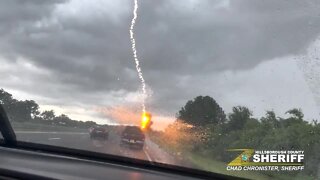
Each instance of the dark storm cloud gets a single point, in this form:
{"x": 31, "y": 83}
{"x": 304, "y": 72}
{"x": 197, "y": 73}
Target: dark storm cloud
{"x": 175, "y": 39}
{"x": 238, "y": 37}
{"x": 201, "y": 41}
{"x": 16, "y": 13}
{"x": 77, "y": 56}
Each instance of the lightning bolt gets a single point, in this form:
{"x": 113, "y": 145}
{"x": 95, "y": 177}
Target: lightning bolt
{"x": 135, "y": 56}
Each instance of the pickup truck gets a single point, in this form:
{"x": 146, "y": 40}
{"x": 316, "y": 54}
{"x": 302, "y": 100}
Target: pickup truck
{"x": 133, "y": 137}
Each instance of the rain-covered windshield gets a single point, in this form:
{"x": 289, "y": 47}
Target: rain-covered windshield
{"x": 228, "y": 86}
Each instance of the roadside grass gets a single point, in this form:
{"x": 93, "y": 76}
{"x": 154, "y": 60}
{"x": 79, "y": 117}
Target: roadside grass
{"x": 209, "y": 164}
{"x": 220, "y": 167}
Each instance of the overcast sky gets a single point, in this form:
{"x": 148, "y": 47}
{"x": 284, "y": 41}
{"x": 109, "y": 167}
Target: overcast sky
{"x": 75, "y": 56}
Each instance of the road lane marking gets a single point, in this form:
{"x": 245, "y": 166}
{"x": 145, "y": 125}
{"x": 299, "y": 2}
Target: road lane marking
{"x": 149, "y": 158}
{"x": 97, "y": 143}
{"x": 54, "y": 138}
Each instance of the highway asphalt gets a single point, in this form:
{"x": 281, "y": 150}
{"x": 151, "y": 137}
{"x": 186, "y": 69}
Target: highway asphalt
{"x": 81, "y": 140}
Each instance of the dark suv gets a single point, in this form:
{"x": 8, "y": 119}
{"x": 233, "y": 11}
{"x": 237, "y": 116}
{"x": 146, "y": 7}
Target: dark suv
{"x": 99, "y": 132}
{"x": 132, "y": 136}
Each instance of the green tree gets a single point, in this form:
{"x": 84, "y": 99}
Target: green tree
{"x": 18, "y": 110}
{"x": 296, "y": 118}
{"x": 6, "y": 98}
{"x": 88, "y": 124}
{"x": 270, "y": 121}
{"x": 296, "y": 113}
{"x": 28, "y": 110}
{"x": 48, "y": 115}
{"x": 62, "y": 120}
{"x": 32, "y": 107}
{"x": 201, "y": 111}
{"x": 238, "y": 118}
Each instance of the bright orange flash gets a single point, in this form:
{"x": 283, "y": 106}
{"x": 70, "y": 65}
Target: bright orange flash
{"x": 146, "y": 119}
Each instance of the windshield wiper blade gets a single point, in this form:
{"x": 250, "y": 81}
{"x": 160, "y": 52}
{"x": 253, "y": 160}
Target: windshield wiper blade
{"x": 6, "y": 129}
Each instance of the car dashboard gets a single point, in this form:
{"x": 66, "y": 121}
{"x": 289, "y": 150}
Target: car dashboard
{"x": 21, "y": 164}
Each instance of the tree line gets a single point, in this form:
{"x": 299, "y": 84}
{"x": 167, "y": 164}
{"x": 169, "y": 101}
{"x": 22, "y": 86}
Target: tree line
{"x": 28, "y": 111}
{"x": 203, "y": 128}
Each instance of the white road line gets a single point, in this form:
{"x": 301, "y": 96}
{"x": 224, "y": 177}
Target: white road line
{"x": 97, "y": 143}
{"x": 54, "y": 138}
{"x": 149, "y": 158}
